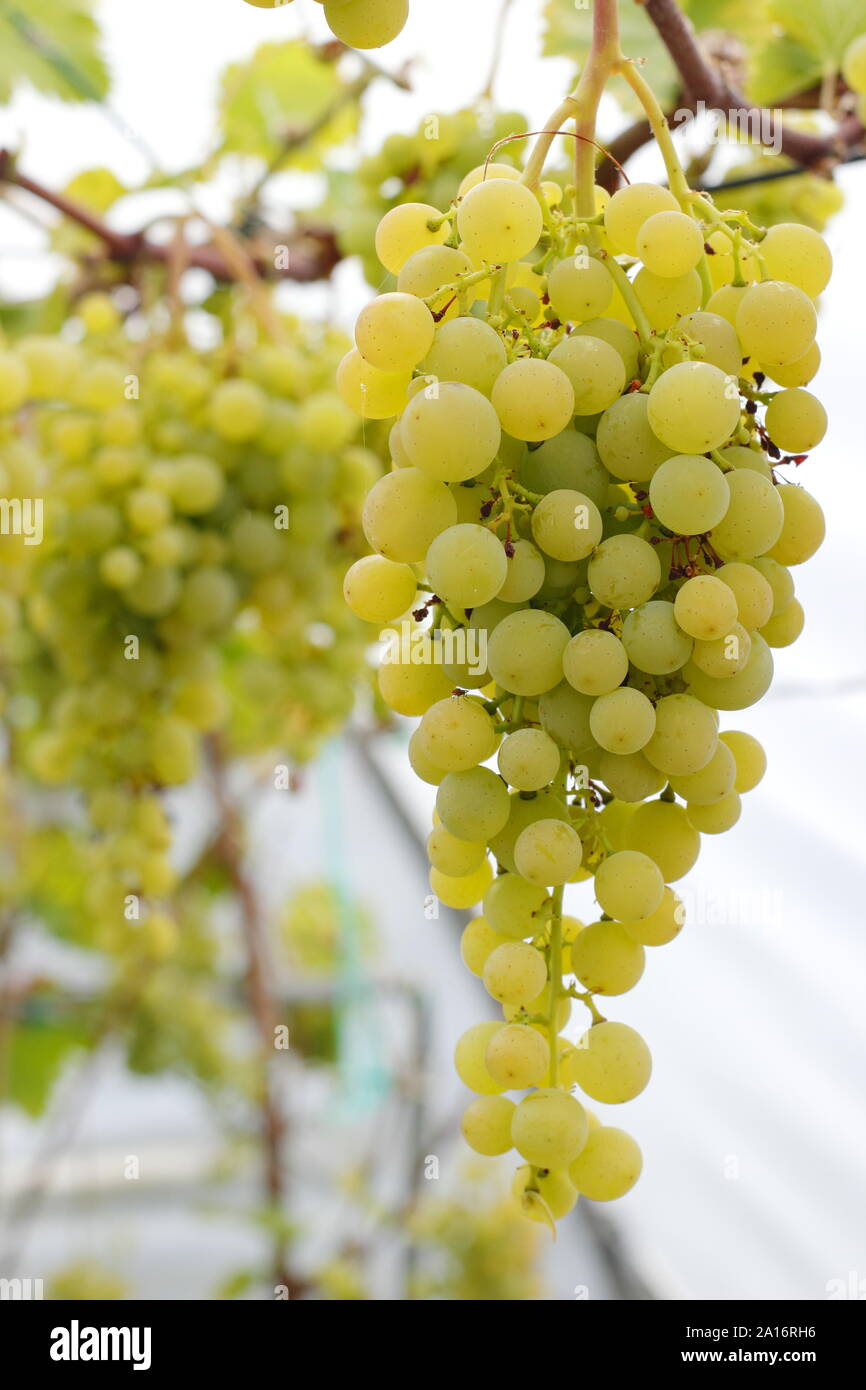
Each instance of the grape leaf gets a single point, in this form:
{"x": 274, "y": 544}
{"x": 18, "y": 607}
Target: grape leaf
{"x": 284, "y": 90}
{"x": 37, "y": 1053}
{"x": 54, "y": 46}
{"x": 96, "y": 189}
{"x": 781, "y": 68}
{"x": 824, "y": 29}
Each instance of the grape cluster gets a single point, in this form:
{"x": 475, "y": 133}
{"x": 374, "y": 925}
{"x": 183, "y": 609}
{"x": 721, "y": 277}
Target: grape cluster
{"x": 356, "y": 23}
{"x": 584, "y": 492}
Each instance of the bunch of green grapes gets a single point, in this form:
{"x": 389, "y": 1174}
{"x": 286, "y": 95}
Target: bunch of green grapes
{"x": 357, "y": 23}
{"x": 199, "y": 510}
{"x": 585, "y": 551}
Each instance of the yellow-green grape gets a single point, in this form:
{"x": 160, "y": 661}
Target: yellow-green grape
{"x": 451, "y": 856}
{"x": 803, "y": 526}
{"x": 457, "y": 734}
{"x": 197, "y": 485}
{"x": 466, "y": 350}
{"x": 566, "y": 524}
{"x": 464, "y": 892}
{"x": 705, "y": 607}
{"x": 427, "y": 274}
{"x": 776, "y": 322}
{"x": 786, "y": 627}
{"x": 378, "y": 590}
{"x": 511, "y": 904}
{"x": 595, "y": 370}
{"x": 548, "y": 852}
{"x": 715, "y": 337}
{"x": 450, "y": 431}
{"x": 268, "y": 4}
{"x": 549, "y": 1128}
{"x": 120, "y": 567}
{"x": 726, "y": 301}
{"x": 712, "y": 782}
{"x": 694, "y": 407}
{"x": 630, "y": 208}
{"x": 620, "y": 337}
{"x": 516, "y": 1057}
{"x": 662, "y": 925}
{"x": 626, "y": 443}
{"x": 406, "y": 229}
{"x": 524, "y": 651}
{"x": 469, "y": 1058}
{"x": 50, "y": 365}
{"x": 609, "y": 1165}
{"x": 753, "y": 522}
{"x": 486, "y": 1125}
{"x": 796, "y": 421}
{"x": 477, "y": 942}
{"x": 523, "y": 811}
{"x": 366, "y": 23}
{"x": 499, "y": 220}
{"x": 579, "y": 288}
{"x": 544, "y": 1193}
{"x": 653, "y": 639}
{"x": 613, "y": 1063}
{"x": 410, "y": 682}
{"x": 689, "y": 494}
{"x": 529, "y": 759}
{"x": 662, "y": 830}
{"x": 147, "y": 510}
{"x": 747, "y": 687}
{"x": 738, "y": 456}
{"x": 473, "y": 805}
{"x": 749, "y": 756}
{"x": 159, "y": 936}
{"x": 628, "y": 885}
{"x": 798, "y": 373}
{"x": 482, "y": 172}
{"x": 798, "y": 255}
{"x": 595, "y": 662}
{"x": 622, "y": 721}
{"x": 404, "y": 513}
{"x": 667, "y": 300}
{"x": 670, "y": 243}
{"x": 854, "y": 64}
{"x": 238, "y": 409}
{"x": 370, "y": 393}
{"x": 514, "y": 973}
{"x": 466, "y": 565}
{"x": 525, "y": 574}
{"x": 724, "y": 656}
{"x": 779, "y": 579}
{"x": 629, "y": 776}
{"x": 685, "y": 736}
{"x": 624, "y": 572}
{"x": 717, "y": 818}
{"x": 394, "y": 332}
{"x": 564, "y": 714}
{"x": 534, "y": 399}
{"x": 606, "y": 959}
{"x": 752, "y": 593}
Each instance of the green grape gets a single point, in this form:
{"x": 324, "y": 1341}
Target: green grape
{"x": 544, "y": 1193}
{"x": 705, "y": 607}
{"x": 424, "y": 274}
{"x": 366, "y": 23}
{"x": 726, "y": 301}
{"x": 779, "y": 579}
{"x": 422, "y": 767}
{"x": 457, "y": 734}
{"x": 595, "y": 370}
{"x": 609, "y": 1165}
{"x": 486, "y": 1125}
{"x": 525, "y": 574}
{"x": 694, "y": 407}
{"x": 405, "y": 512}
{"x": 529, "y": 759}
{"x": 394, "y": 332}
{"x": 689, "y": 494}
{"x": 630, "y": 208}
{"x": 724, "y": 656}
{"x": 606, "y": 959}
{"x": 372, "y": 394}
{"x": 776, "y": 322}
{"x": 46, "y": 369}
{"x": 752, "y": 593}
{"x": 510, "y": 905}
{"x": 499, "y": 220}
{"x": 568, "y": 460}
{"x": 663, "y": 925}
{"x": 566, "y": 525}
{"x": 534, "y": 399}
{"x": 798, "y": 373}
{"x": 120, "y": 567}
{"x": 514, "y": 973}
{"x": 473, "y": 805}
{"x": 466, "y": 565}
{"x": 784, "y": 629}
{"x": 749, "y": 757}
{"x": 595, "y": 662}
{"x": 854, "y": 64}
{"x": 716, "y": 338}
{"x": 670, "y": 244}
{"x": 619, "y": 336}
{"x": 524, "y": 651}
{"x": 548, "y": 853}
{"x": 653, "y": 639}
{"x": 737, "y": 456}
{"x": 629, "y": 776}
{"x": 799, "y": 256}
{"x": 482, "y": 172}
{"x": 325, "y": 423}
{"x": 463, "y": 892}
{"x": 407, "y": 229}
{"x": 685, "y": 736}
{"x": 411, "y": 682}
{"x": 478, "y": 939}
{"x": 466, "y": 350}
{"x": 711, "y": 783}
{"x": 523, "y": 812}
{"x": 662, "y": 830}
{"x": 549, "y": 1128}
{"x": 718, "y": 817}
{"x": 450, "y": 431}
{"x": 579, "y": 288}
{"x": 666, "y": 300}
{"x": 378, "y": 590}
{"x": 747, "y": 687}
{"x": 565, "y": 715}
{"x": 796, "y": 421}
{"x": 469, "y": 1059}
{"x": 803, "y": 527}
{"x": 622, "y": 721}
{"x": 753, "y": 522}
{"x": 516, "y": 1057}
{"x": 624, "y": 572}
{"x": 238, "y": 409}
{"x": 626, "y": 443}
{"x": 613, "y": 1063}
{"x": 628, "y": 886}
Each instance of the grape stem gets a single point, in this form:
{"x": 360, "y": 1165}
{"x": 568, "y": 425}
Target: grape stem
{"x": 555, "y": 970}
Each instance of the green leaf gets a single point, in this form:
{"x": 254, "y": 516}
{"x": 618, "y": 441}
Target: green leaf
{"x": 780, "y": 69}
{"x": 96, "y": 189}
{"x": 283, "y": 91}
{"x": 53, "y": 45}
{"x": 37, "y": 1054}
{"x": 823, "y": 27}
